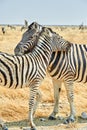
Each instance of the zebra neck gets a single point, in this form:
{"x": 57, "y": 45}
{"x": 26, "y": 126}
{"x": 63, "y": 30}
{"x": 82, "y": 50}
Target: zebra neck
{"x": 43, "y": 52}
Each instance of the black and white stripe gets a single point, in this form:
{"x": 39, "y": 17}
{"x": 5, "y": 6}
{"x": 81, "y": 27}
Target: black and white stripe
{"x": 66, "y": 66}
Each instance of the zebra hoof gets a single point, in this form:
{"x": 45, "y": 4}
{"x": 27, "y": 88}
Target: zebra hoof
{"x": 5, "y": 128}
{"x": 69, "y": 120}
{"x": 33, "y": 129}
{"x": 51, "y": 118}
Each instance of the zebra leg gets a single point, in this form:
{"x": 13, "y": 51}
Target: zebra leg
{"x": 38, "y": 99}
{"x": 70, "y": 96}
{"x": 33, "y": 92}
{"x": 57, "y": 89}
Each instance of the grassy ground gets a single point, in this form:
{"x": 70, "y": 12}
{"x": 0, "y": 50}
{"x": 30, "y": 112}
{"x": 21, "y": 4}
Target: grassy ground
{"x": 46, "y": 124}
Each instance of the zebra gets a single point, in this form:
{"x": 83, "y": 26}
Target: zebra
{"x": 3, "y": 30}
{"x": 29, "y": 69}
{"x": 11, "y": 27}
{"x": 67, "y": 66}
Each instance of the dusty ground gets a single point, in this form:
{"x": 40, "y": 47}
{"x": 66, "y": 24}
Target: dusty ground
{"x": 14, "y": 103}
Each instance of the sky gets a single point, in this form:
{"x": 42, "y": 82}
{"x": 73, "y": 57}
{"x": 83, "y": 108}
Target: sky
{"x": 45, "y": 12}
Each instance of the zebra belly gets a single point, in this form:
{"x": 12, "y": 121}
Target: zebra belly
{"x": 81, "y": 74}
{"x": 57, "y": 75}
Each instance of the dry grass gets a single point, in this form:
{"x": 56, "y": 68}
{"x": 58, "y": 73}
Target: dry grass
{"x": 14, "y": 103}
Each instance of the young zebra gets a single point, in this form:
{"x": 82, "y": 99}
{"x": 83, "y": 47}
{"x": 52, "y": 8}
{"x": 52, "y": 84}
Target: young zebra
{"x": 29, "y": 69}
{"x": 65, "y": 66}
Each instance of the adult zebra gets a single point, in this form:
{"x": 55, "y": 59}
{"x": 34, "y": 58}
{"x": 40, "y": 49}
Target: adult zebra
{"x": 65, "y": 66}
{"x": 29, "y": 69}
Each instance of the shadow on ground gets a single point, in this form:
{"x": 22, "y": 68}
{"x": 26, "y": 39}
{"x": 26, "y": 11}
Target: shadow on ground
{"x": 41, "y": 122}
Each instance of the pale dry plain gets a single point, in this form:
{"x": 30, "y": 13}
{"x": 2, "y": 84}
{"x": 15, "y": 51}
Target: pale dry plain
{"x": 14, "y": 103}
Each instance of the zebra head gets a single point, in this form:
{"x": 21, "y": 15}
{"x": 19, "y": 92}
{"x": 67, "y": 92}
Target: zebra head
{"x": 57, "y": 42}
{"x": 60, "y": 43}
{"x": 28, "y": 40}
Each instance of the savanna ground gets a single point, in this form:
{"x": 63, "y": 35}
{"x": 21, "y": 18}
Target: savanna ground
{"x": 14, "y": 103}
